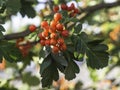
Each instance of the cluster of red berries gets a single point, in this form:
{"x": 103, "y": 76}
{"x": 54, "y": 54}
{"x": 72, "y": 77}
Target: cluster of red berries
{"x": 71, "y": 9}
{"x": 24, "y": 49}
{"x": 53, "y": 34}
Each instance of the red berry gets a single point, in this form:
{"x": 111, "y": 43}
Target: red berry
{"x": 60, "y": 41}
{"x": 53, "y": 42}
{"x": 32, "y": 28}
{"x": 59, "y": 27}
{"x": 63, "y": 47}
{"x": 76, "y": 10}
{"x": 40, "y": 36}
{"x": 56, "y": 9}
{"x": 42, "y": 42}
{"x": 72, "y": 6}
{"x": 47, "y": 42}
{"x": 64, "y": 6}
{"x": 65, "y": 33}
{"x": 55, "y": 49}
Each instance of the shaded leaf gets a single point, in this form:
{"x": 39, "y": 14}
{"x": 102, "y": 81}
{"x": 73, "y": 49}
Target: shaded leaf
{"x": 49, "y": 74}
{"x": 1, "y": 30}
{"x": 71, "y": 70}
{"x": 78, "y": 28}
{"x": 13, "y": 6}
{"x": 27, "y": 9}
{"x": 46, "y": 63}
{"x": 10, "y": 52}
{"x": 30, "y": 80}
{"x": 60, "y": 59}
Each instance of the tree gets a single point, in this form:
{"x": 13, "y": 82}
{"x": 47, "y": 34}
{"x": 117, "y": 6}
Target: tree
{"x": 63, "y": 42}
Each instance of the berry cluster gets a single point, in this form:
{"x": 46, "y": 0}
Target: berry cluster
{"x": 72, "y": 10}
{"x": 24, "y": 49}
{"x": 53, "y": 34}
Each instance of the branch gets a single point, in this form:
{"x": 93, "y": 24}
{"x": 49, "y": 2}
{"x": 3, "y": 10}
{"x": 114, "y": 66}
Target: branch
{"x": 100, "y": 6}
{"x": 15, "y": 35}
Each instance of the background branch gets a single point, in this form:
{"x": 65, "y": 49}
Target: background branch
{"x": 91, "y": 9}
{"x": 15, "y": 35}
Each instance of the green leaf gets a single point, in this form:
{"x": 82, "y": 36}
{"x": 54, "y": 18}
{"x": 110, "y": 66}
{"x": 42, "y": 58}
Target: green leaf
{"x": 97, "y": 60}
{"x": 30, "y": 80}
{"x": 27, "y": 9}
{"x": 46, "y": 63}
{"x": 97, "y": 56}
{"x": 1, "y": 30}
{"x": 49, "y": 74}
{"x": 78, "y": 28}
{"x": 60, "y": 59}
{"x": 71, "y": 70}
{"x": 13, "y": 6}
{"x": 2, "y": 6}
{"x": 10, "y": 52}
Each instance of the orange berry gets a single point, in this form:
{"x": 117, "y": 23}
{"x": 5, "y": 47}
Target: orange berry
{"x": 53, "y": 35}
{"x": 47, "y": 42}
{"x": 53, "y": 24}
{"x": 53, "y": 42}
{"x": 56, "y": 9}
{"x": 32, "y": 28}
{"x": 45, "y": 34}
{"x": 63, "y": 47}
{"x": 42, "y": 42}
{"x": 57, "y": 16}
{"x": 44, "y": 24}
{"x": 64, "y": 7}
{"x": 59, "y": 27}
{"x": 60, "y": 41}
{"x": 52, "y": 30}
{"x": 55, "y": 49}
{"x": 65, "y": 33}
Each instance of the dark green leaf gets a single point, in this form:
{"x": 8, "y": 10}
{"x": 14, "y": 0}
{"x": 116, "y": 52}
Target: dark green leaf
{"x": 71, "y": 70}
{"x": 78, "y": 28}
{"x": 97, "y": 59}
{"x": 1, "y": 30}
{"x": 30, "y": 80}
{"x": 46, "y": 63}
{"x": 60, "y": 59}
{"x": 49, "y": 74}
{"x": 2, "y": 6}
{"x": 73, "y": 19}
{"x": 13, "y": 6}
{"x": 10, "y": 52}
{"x": 27, "y": 9}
